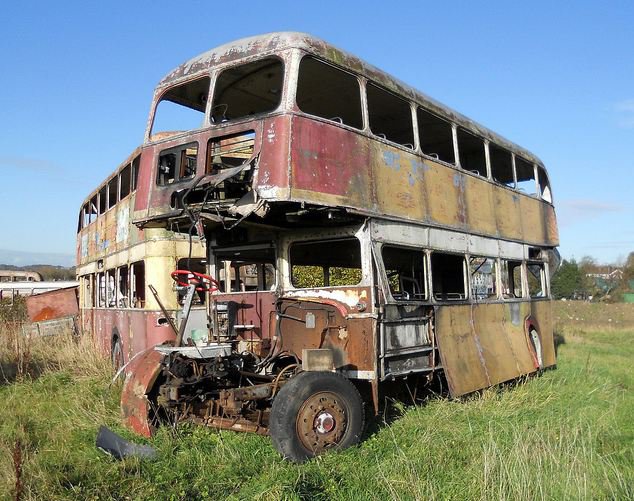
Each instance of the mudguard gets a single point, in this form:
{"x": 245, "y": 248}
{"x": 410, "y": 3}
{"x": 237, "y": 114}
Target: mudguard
{"x": 141, "y": 375}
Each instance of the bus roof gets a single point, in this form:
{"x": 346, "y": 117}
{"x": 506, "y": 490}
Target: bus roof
{"x": 271, "y": 43}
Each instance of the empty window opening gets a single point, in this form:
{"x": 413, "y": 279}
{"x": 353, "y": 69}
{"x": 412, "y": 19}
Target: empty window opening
{"x": 511, "y": 279}
{"x": 113, "y": 189}
{"x": 536, "y": 280}
{"x": 525, "y": 173}
{"x": 91, "y": 210}
{"x": 447, "y": 271}
{"x": 135, "y": 172}
{"x": 177, "y": 163}
{"x": 137, "y": 285}
{"x": 471, "y": 150}
{"x": 326, "y": 263}
{"x": 111, "y": 288}
{"x": 101, "y": 290}
{"x": 390, "y": 116}
{"x": 501, "y": 165}
{"x": 123, "y": 288}
{"x": 103, "y": 199}
{"x": 435, "y": 136}
{"x": 181, "y": 108}
{"x": 245, "y": 270}
{"x": 197, "y": 266}
{"x": 483, "y": 281}
{"x": 124, "y": 182}
{"x": 405, "y": 271}
{"x": 544, "y": 185}
{"x": 248, "y": 89}
{"x": 327, "y": 92}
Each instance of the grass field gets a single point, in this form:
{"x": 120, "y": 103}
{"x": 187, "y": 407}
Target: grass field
{"x": 568, "y": 434}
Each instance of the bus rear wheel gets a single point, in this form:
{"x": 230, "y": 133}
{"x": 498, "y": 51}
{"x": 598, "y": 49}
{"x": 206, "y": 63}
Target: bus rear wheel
{"x": 315, "y": 412}
{"x": 116, "y": 354}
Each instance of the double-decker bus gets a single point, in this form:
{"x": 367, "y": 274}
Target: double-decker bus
{"x": 355, "y": 230}
{"x": 119, "y": 264}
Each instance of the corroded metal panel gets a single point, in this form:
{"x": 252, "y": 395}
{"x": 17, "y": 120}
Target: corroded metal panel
{"x": 498, "y": 355}
{"x": 533, "y": 229}
{"x": 135, "y": 405}
{"x": 53, "y": 304}
{"x": 460, "y": 354}
{"x": 273, "y": 168}
{"x": 399, "y": 182}
{"x": 445, "y": 187}
{"x": 513, "y": 323}
{"x": 329, "y": 165}
{"x": 507, "y": 215}
{"x": 542, "y": 313}
{"x": 479, "y": 206}
{"x": 484, "y": 344}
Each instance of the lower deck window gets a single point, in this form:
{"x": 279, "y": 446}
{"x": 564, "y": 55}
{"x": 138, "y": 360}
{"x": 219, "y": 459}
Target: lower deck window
{"x": 405, "y": 270}
{"x": 448, "y": 277}
{"x": 137, "y": 285}
{"x": 512, "y": 279}
{"x": 328, "y": 263}
{"x": 536, "y": 280}
{"x": 245, "y": 270}
{"x": 482, "y": 278}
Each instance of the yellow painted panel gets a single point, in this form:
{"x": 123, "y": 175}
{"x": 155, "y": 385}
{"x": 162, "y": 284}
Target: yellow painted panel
{"x": 515, "y": 315}
{"x": 443, "y": 187}
{"x": 542, "y": 313}
{"x": 400, "y": 183}
{"x": 532, "y": 220}
{"x": 496, "y": 349}
{"x": 480, "y": 210}
{"x": 507, "y": 211}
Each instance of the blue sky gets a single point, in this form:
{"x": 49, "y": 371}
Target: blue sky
{"x": 554, "y": 77}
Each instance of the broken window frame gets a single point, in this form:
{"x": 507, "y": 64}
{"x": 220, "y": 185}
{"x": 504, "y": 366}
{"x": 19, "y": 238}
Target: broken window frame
{"x": 545, "y": 192}
{"x": 448, "y": 297}
{"x": 165, "y": 98}
{"x": 463, "y": 138}
{"x": 402, "y": 295}
{"x": 494, "y": 165}
{"x": 518, "y": 184}
{"x": 422, "y": 136}
{"x": 542, "y": 279}
{"x": 125, "y": 182}
{"x": 113, "y": 192}
{"x": 357, "y": 121}
{"x": 233, "y": 259}
{"x": 376, "y": 130}
{"x": 102, "y": 200}
{"x": 137, "y": 285}
{"x": 219, "y": 112}
{"x": 476, "y": 296}
{"x": 510, "y": 284}
{"x": 180, "y": 158}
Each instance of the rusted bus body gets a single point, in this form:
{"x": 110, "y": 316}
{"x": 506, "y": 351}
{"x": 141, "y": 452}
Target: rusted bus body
{"x": 343, "y": 242}
{"x": 117, "y": 262}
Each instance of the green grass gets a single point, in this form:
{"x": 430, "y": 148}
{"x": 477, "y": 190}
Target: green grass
{"x": 568, "y": 434}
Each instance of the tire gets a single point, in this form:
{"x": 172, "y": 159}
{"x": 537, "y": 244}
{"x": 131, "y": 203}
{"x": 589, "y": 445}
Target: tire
{"x": 315, "y": 412}
{"x": 116, "y": 354}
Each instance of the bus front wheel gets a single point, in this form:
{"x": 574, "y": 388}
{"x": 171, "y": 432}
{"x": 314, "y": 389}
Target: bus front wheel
{"x": 315, "y": 412}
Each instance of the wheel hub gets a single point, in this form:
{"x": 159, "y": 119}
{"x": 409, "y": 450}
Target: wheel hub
{"x": 322, "y": 422}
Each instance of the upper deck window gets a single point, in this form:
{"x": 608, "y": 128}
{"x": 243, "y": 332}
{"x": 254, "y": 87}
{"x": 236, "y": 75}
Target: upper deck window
{"x": 544, "y": 185}
{"x": 177, "y": 163}
{"x": 248, "y": 89}
{"x": 471, "y": 150}
{"x": 501, "y": 165}
{"x": 435, "y": 136}
{"x": 124, "y": 182}
{"x": 525, "y": 173}
{"x": 327, "y": 92}
{"x": 181, "y": 108}
{"x": 390, "y": 116}
{"x": 113, "y": 189}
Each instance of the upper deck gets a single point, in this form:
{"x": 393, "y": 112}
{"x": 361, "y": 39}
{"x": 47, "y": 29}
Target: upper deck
{"x": 264, "y": 152}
